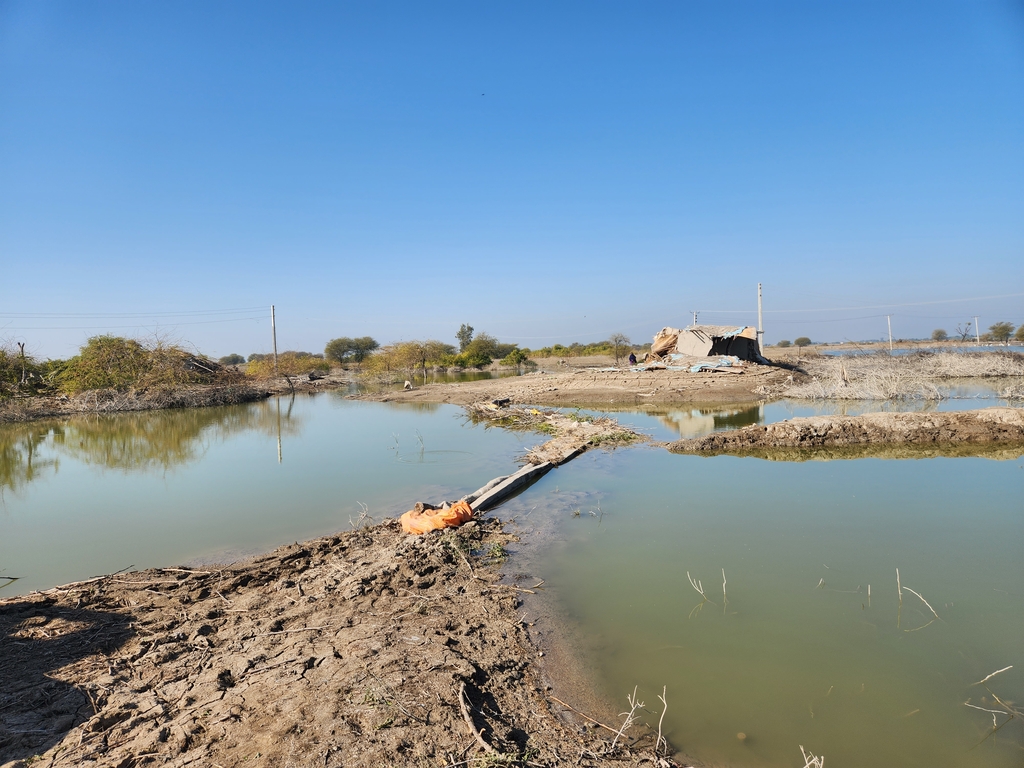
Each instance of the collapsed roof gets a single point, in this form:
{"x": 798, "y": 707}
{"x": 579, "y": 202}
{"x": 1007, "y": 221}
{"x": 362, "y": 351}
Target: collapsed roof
{"x": 709, "y": 340}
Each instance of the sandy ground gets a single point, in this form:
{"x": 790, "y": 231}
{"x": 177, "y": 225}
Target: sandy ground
{"x": 594, "y": 387}
{"x": 997, "y": 432}
{"x": 370, "y": 648}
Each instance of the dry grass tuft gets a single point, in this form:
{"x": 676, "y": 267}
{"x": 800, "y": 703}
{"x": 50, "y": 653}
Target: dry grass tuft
{"x": 902, "y": 377}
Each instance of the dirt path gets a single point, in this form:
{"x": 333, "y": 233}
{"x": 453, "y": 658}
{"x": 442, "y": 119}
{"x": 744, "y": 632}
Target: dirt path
{"x": 997, "y": 432}
{"x": 369, "y": 648}
{"x": 594, "y": 387}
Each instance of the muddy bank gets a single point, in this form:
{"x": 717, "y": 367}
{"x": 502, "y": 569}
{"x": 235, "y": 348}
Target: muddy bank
{"x": 111, "y": 401}
{"x": 997, "y": 432}
{"x": 592, "y": 387}
{"x": 368, "y": 648}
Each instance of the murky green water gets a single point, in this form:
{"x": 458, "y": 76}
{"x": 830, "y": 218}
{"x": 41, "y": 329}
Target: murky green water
{"x": 798, "y": 655}
{"x": 92, "y": 495}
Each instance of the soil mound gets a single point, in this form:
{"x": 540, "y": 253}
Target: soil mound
{"x": 999, "y": 430}
{"x": 370, "y": 648}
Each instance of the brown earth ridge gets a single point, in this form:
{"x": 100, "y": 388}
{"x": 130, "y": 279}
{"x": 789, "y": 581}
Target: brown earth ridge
{"x": 995, "y": 431}
{"x": 369, "y": 648}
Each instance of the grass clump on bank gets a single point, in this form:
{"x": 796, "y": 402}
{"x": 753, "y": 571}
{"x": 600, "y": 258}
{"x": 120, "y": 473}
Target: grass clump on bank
{"x": 900, "y": 377}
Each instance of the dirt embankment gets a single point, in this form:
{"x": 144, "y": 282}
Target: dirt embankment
{"x": 595, "y": 387}
{"x": 112, "y": 401}
{"x": 997, "y": 432}
{"x": 369, "y": 648}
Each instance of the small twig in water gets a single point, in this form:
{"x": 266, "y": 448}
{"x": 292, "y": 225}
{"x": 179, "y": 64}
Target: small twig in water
{"x": 725, "y": 598}
{"x": 923, "y": 601}
{"x": 697, "y": 585}
{"x": 662, "y": 741}
{"x": 899, "y": 592}
{"x": 810, "y": 761}
{"x": 989, "y": 677}
{"x": 634, "y": 705}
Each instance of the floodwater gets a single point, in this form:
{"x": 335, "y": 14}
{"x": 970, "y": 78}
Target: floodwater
{"x": 93, "y": 495}
{"x": 795, "y": 652}
{"x": 799, "y": 653}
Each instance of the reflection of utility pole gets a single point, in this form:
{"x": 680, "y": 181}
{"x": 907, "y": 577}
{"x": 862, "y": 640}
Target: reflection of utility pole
{"x": 977, "y": 336}
{"x": 760, "y": 323}
{"x": 278, "y": 430}
{"x": 888, "y": 319}
{"x": 273, "y": 330}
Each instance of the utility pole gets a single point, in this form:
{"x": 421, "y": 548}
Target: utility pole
{"x": 888, "y": 319}
{"x": 760, "y": 323}
{"x": 273, "y": 330}
{"x": 977, "y": 335}
{"x": 695, "y": 317}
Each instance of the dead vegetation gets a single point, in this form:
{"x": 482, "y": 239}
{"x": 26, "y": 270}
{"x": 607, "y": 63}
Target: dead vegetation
{"x": 571, "y": 433}
{"x": 899, "y": 377}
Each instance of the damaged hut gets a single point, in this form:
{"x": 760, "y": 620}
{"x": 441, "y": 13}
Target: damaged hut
{"x": 709, "y": 341}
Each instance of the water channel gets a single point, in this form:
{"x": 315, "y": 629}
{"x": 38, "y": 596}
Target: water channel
{"x": 794, "y": 653}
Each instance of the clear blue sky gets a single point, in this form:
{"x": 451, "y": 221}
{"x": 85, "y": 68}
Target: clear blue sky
{"x": 545, "y": 171}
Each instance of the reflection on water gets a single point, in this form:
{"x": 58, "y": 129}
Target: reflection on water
{"x": 132, "y": 441}
{"x": 95, "y": 494}
{"x": 20, "y": 459}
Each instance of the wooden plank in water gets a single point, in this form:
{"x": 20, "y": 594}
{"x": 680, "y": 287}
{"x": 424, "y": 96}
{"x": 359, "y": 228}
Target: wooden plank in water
{"x": 511, "y": 485}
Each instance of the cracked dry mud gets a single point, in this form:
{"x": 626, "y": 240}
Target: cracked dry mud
{"x": 348, "y": 650}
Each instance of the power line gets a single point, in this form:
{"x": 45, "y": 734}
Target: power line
{"x": 123, "y": 315}
{"x": 136, "y": 325}
{"x": 869, "y": 306}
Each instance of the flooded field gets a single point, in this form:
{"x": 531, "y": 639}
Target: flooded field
{"x": 795, "y": 650}
{"x": 93, "y": 495}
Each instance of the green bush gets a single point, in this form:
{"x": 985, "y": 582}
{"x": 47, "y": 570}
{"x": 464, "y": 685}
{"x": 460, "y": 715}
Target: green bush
{"x": 803, "y": 341}
{"x": 288, "y": 364}
{"x": 939, "y": 334}
{"x": 232, "y": 359}
{"x": 784, "y": 343}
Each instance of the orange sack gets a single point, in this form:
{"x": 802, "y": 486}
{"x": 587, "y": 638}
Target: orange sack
{"x": 435, "y": 519}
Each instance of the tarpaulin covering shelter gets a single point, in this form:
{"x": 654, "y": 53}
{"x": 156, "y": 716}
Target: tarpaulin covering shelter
{"x": 708, "y": 341}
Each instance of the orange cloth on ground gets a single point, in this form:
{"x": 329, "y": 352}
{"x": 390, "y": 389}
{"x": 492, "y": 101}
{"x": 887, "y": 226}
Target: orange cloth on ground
{"x": 434, "y": 519}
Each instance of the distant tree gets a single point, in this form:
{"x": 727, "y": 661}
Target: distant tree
{"x": 939, "y": 334}
{"x": 963, "y": 331}
{"x": 465, "y": 336}
{"x": 1001, "y": 331}
{"x": 784, "y": 343}
{"x": 232, "y": 359}
{"x": 802, "y": 341}
{"x": 363, "y": 346}
{"x": 338, "y": 350}
{"x": 619, "y": 343}
{"x": 1019, "y": 335}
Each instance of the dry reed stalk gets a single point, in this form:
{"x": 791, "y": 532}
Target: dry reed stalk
{"x": 989, "y": 677}
{"x": 810, "y": 761}
{"x": 661, "y": 739}
{"x": 923, "y": 601}
{"x": 634, "y": 705}
{"x": 899, "y": 592}
{"x": 725, "y": 597}
{"x": 697, "y": 585}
